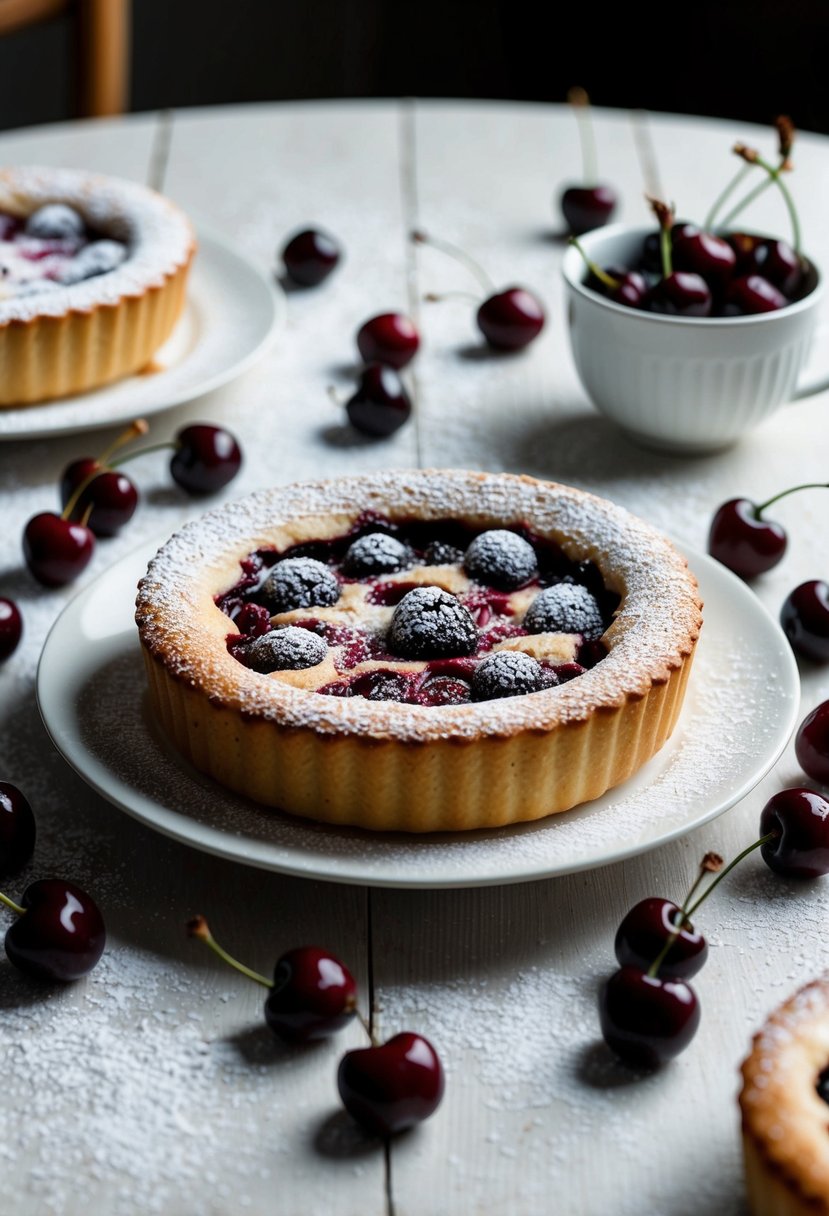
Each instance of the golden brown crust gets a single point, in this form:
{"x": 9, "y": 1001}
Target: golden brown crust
{"x": 785, "y": 1122}
{"x": 386, "y": 765}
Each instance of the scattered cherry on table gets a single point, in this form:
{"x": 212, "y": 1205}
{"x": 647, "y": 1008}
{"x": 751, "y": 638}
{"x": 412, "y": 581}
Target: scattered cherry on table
{"x": 310, "y": 256}
{"x": 805, "y": 620}
{"x": 590, "y": 204}
{"x": 56, "y": 549}
{"x": 98, "y": 492}
{"x": 59, "y": 933}
{"x": 11, "y": 627}
{"x": 795, "y": 823}
{"x": 388, "y": 1088}
{"x": 645, "y": 1019}
{"x": 380, "y": 405}
{"x": 390, "y": 338}
{"x": 18, "y": 831}
{"x": 812, "y": 744}
{"x": 205, "y": 458}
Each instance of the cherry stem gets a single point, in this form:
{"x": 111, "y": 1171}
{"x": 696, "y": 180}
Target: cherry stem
{"x": 774, "y": 176}
{"x": 724, "y": 195}
{"x": 198, "y": 927}
{"x": 596, "y": 271}
{"x": 580, "y": 103}
{"x": 745, "y": 202}
{"x": 809, "y": 485}
{"x": 4, "y": 899}
{"x": 665, "y": 218}
{"x": 139, "y": 427}
{"x": 686, "y": 913}
{"x": 74, "y": 497}
{"x": 460, "y": 255}
{"x": 434, "y": 297}
{"x": 166, "y": 446}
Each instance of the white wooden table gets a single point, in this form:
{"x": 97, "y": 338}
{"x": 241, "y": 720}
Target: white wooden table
{"x": 153, "y": 1086}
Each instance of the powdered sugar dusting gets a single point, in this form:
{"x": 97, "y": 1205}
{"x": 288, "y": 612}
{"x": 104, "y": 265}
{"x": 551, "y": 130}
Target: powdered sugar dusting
{"x": 655, "y": 628}
{"x": 158, "y": 234}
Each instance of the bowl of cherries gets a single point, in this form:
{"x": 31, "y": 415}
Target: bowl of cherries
{"x": 689, "y": 335}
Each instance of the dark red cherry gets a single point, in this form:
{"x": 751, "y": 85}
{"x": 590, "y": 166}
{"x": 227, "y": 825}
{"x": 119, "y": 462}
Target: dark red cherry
{"x": 681, "y": 295}
{"x": 390, "y": 1088}
{"x": 206, "y": 458}
{"x": 310, "y": 256}
{"x": 11, "y": 627}
{"x": 751, "y": 294}
{"x": 17, "y": 829}
{"x": 805, "y": 620}
{"x": 381, "y": 404}
{"x": 748, "y": 545}
{"x": 511, "y": 319}
{"x": 812, "y": 744}
{"x": 777, "y": 262}
{"x": 389, "y": 338}
{"x": 632, "y": 290}
{"x": 645, "y": 1019}
{"x": 60, "y": 934}
{"x": 111, "y": 494}
{"x": 744, "y": 245}
{"x": 313, "y": 996}
{"x": 645, "y": 930}
{"x": 704, "y": 254}
{"x": 587, "y": 207}
{"x": 799, "y": 819}
{"x": 56, "y": 549}
{"x": 651, "y": 256}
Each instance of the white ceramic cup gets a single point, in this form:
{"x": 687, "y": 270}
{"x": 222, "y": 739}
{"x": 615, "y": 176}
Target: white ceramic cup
{"x": 683, "y": 384}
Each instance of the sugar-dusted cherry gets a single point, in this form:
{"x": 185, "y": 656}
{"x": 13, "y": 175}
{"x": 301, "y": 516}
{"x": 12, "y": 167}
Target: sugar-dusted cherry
{"x": 17, "y": 829}
{"x": 390, "y": 1087}
{"x": 381, "y": 404}
{"x": 56, "y": 549}
{"x": 646, "y": 929}
{"x": 390, "y": 338}
{"x": 59, "y": 933}
{"x": 205, "y": 458}
{"x": 312, "y": 994}
{"x": 647, "y": 1019}
{"x": 310, "y": 256}
{"x": 805, "y": 620}
{"x": 11, "y": 627}
{"x": 812, "y": 744}
{"x": 510, "y": 318}
{"x": 795, "y": 823}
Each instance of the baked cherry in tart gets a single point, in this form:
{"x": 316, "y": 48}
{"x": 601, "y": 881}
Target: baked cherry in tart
{"x": 288, "y": 635}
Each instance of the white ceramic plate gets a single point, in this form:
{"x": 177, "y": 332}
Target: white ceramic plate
{"x": 230, "y": 317}
{"x": 740, "y": 710}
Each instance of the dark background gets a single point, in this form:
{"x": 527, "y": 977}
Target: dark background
{"x": 742, "y": 59}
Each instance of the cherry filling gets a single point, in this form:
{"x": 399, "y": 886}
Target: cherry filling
{"x": 436, "y": 647}
{"x": 53, "y": 248}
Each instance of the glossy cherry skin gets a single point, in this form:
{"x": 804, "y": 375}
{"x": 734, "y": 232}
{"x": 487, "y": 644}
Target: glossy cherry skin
{"x": 111, "y": 494}
{"x": 704, "y": 254}
{"x": 777, "y": 262}
{"x": 313, "y": 996}
{"x": 11, "y": 627}
{"x": 389, "y": 338}
{"x": 17, "y": 829}
{"x": 310, "y": 256}
{"x": 631, "y": 291}
{"x": 61, "y": 935}
{"x": 646, "y": 929}
{"x": 805, "y": 620}
{"x": 681, "y": 295}
{"x": 800, "y": 820}
{"x": 511, "y": 319}
{"x": 812, "y": 744}
{"x": 752, "y": 294}
{"x": 56, "y": 550}
{"x": 747, "y": 545}
{"x": 381, "y": 404}
{"x": 206, "y": 459}
{"x": 390, "y": 1088}
{"x": 587, "y": 207}
{"x": 647, "y": 1020}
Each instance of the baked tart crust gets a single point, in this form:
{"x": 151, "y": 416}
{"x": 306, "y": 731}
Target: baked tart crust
{"x": 391, "y": 766}
{"x": 785, "y": 1122}
{"x": 77, "y": 337}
